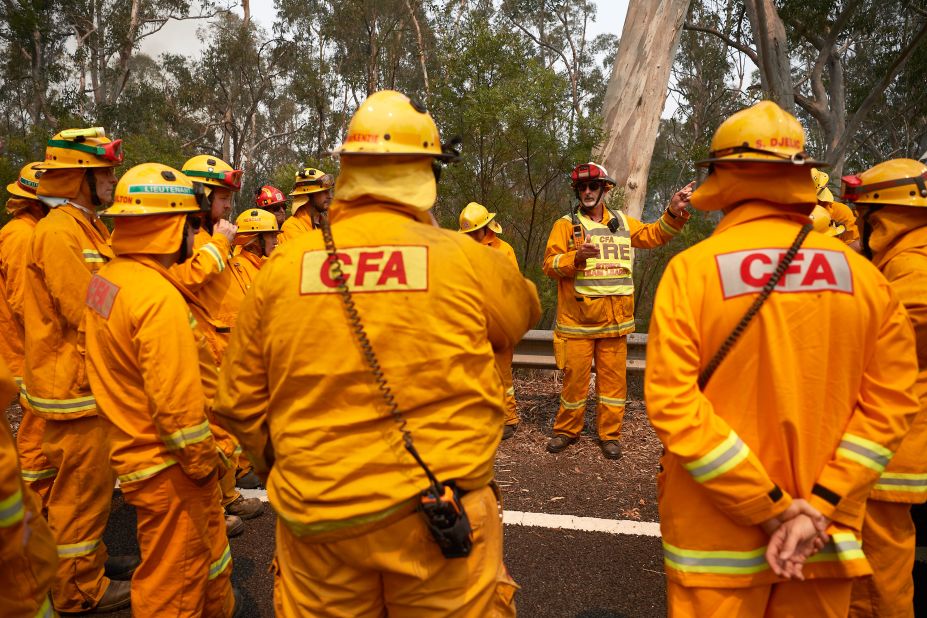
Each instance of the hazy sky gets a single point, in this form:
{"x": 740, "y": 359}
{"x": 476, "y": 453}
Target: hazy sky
{"x": 179, "y": 37}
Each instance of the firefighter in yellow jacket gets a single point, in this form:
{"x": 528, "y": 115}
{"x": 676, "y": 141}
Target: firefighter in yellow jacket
{"x": 311, "y": 196}
{"x": 25, "y": 210}
{"x": 480, "y": 224}
{"x": 843, "y": 219}
{"x": 429, "y": 307}
{"x": 68, "y": 246}
{"x": 590, "y": 253}
{"x": 141, "y": 364}
{"x": 255, "y": 240}
{"x": 892, "y": 201}
{"x": 206, "y": 273}
{"x": 27, "y": 548}
{"x": 797, "y": 422}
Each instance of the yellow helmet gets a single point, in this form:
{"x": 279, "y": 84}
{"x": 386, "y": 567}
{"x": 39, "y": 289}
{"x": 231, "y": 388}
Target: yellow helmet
{"x": 310, "y": 180}
{"x": 901, "y": 182}
{"x": 473, "y": 217}
{"x": 389, "y": 123}
{"x": 28, "y": 182}
{"x": 255, "y": 221}
{"x": 762, "y": 133}
{"x": 824, "y": 224}
{"x": 213, "y": 172}
{"x": 153, "y": 189}
{"x": 79, "y": 148}
{"x": 820, "y": 181}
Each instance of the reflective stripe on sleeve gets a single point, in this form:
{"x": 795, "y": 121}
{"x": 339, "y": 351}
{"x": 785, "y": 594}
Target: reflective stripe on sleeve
{"x": 60, "y": 406}
{"x": 510, "y": 392}
{"x": 666, "y": 227}
{"x": 556, "y": 265}
{"x": 76, "y": 550}
{"x": 730, "y": 562}
{"x": 94, "y": 257}
{"x": 719, "y": 460}
{"x": 842, "y": 546}
{"x": 145, "y": 473}
{"x": 187, "y": 435}
{"x": 213, "y": 252}
{"x": 900, "y": 481}
{"x": 31, "y": 476}
{"x": 611, "y": 401}
{"x": 12, "y": 510}
{"x": 216, "y": 568}
{"x": 572, "y": 405}
{"x": 865, "y": 452}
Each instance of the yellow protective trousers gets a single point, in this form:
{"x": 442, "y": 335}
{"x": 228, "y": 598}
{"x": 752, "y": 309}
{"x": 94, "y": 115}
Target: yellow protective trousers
{"x": 889, "y": 545}
{"x": 396, "y": 570}
{"x": 37, "y": 472}
{"x": 504, "y": 365}
{"x": 78, "y": 509}
{"x": 610, "y": 355}
{"x": 820, "y": 598}
{"x": 227, "y": 492}
{"x": 186, "y": 564}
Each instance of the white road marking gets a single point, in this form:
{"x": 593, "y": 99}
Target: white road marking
{"x": 545, "y": 520}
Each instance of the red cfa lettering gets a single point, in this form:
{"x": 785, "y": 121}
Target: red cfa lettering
{"x": 389, "y": 268}
{"x": 812, "y": 270}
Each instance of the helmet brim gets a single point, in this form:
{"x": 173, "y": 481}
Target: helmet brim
{"x": 14, "y": 189}
{"x": 734, "y": 160}
{"x": 491, "y": 216}
{"x": 111, "y": 211}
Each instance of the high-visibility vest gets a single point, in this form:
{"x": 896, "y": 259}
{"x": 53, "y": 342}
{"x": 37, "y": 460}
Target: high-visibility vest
{"x": 610, "y": 273}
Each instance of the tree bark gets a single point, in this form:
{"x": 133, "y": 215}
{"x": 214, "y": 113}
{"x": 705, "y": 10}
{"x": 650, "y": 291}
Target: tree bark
{"x": 637, "y": 92}
{"x": 773, "y": 52}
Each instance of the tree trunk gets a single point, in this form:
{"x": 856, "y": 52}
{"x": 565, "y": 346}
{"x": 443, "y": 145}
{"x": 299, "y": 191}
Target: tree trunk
{"x": 773, "y": 51}
{"x": 636, "y": 94}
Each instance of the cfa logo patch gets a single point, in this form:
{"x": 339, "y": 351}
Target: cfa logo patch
{"x": 812, "y": 270}
{"x": 386, "y": 268}
{"x": 101, "y": 295}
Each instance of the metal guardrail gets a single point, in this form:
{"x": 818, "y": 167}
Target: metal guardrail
{"x": 536, "y": 351}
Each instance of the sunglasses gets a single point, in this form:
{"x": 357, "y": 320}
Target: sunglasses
{"x": 589, "y": 185}
{"x": 280, "y": 207}
{"x": 231, "y": 178}
{"x": 109, "y": 152}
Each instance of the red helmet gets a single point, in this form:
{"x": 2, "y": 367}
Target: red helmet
{"x": 590, "y": 171}
{"x": 269, "y": 195}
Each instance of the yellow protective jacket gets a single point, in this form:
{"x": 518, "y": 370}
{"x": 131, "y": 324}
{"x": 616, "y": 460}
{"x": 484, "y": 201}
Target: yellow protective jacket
{"x": 586, "y": 317}
{"x": 66, "y": 249}
{"x": 899, "y": 245}
{"x": 28, "y": 554}
{"x": 434, "y": 304}
{"x": 14, "y": 245}
{"x": 811, "y": 402}
{"x": 207, "y": 275}
{"x": 141, "y": 361}
{"x": 244, "y": 266}
{"x": 843, "y": 215}
{"x": 300, "y": 223}
{"x": 491, "y": 240}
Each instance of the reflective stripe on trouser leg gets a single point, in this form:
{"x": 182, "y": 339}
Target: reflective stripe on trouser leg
{"x": 396, "y": 569}
{"x": 824, "y": 598}
{"x": 37, "y": 472}
{"x": 186, "y": 564}
{"x": 504, "y": 367}
{"x": 78, "y": 508}
{"x": 576, "y": 372}
{"x": 611, "y": 357}
{"x": 889, "y": 544}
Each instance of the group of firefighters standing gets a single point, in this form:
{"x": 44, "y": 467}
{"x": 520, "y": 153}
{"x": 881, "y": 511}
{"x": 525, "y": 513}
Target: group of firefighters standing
{"x": 366, "y": 377}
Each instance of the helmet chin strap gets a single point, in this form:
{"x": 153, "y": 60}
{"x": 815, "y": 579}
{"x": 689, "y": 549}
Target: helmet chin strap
{"x": 92, "y": 185}
{"x": 867, "y": 230}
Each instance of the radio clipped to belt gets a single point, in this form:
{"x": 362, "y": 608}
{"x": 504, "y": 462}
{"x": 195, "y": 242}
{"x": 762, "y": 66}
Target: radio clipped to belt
{"x": 440, "y": 503}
